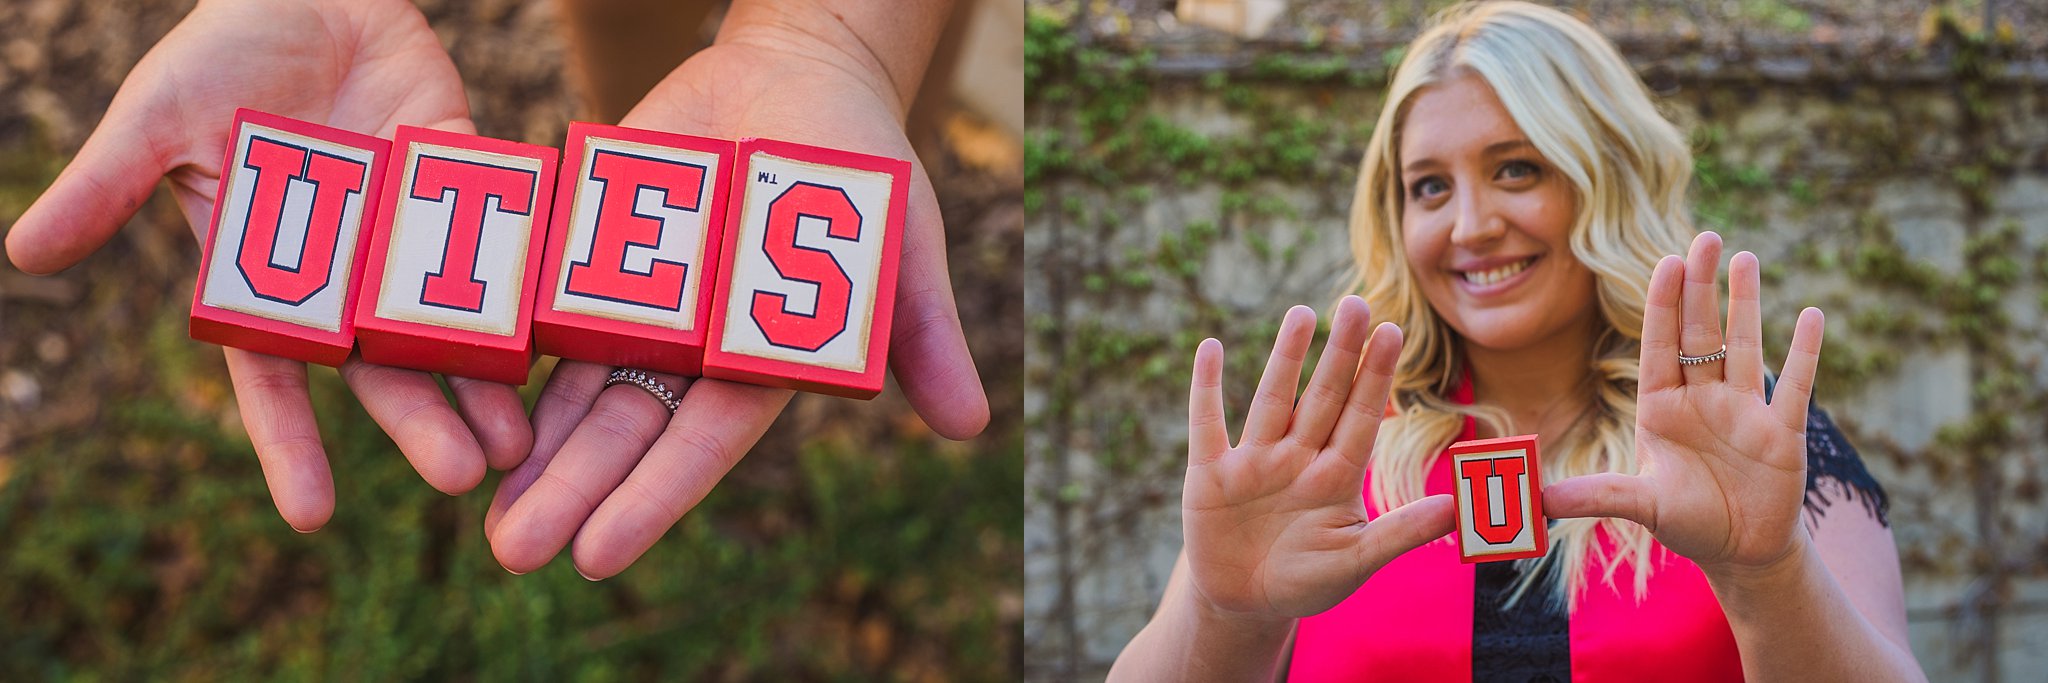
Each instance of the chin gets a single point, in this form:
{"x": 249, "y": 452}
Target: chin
{"x": 1498, "y": 332}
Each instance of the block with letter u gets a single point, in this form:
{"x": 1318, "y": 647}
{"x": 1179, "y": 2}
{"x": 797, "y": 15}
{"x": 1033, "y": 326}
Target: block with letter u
{"x": 281, "y": 263}
{"x": 1499, "y": 492}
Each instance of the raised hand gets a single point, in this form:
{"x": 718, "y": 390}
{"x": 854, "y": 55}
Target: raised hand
{"x": 1721, "y": 471}
{"x": 365, "y": 66}
{"x": 612, "y": 470}
{"x": 1276, "y": 526}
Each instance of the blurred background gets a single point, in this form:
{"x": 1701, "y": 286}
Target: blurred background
{"x": 137, "y": 540}
{"x": 1189, "y": 168}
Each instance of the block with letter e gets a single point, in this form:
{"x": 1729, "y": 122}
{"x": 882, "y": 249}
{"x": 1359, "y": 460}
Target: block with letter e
{"x": 1499, "y": 493}
{"x": 631, "y": 257}
{"x": 808, "y": 269}
{"x": 281, "y": 264}
{"x": 448, "y": 284}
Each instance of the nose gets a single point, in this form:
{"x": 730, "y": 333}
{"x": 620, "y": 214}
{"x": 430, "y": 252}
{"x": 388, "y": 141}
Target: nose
{"x": 1477, "y": 222}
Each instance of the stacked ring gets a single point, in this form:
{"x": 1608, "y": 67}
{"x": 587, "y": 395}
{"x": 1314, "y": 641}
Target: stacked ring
{"x": 1709, "y": 358}
{"x": 646, "y": 381}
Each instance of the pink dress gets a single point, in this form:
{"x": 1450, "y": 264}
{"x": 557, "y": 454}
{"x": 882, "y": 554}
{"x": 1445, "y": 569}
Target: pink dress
{"x": 1414, "y": 620}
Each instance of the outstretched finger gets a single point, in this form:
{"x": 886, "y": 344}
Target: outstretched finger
{"x": 1745, "y": 325}
{"x": 1367, "y": 405}
{"x": 1405, "y": 528}
{"x": 572, "y": 389}
{"x": 1608, "y": 494}
{"x": 618, "y": 430}
{"x": 496, "y": 417}
{"x": 1659, "y": 364}
{"x": 1330, "y": 386}
{"x": 1273, "y": 405}
{"x": 279, "y": 416}
{"x": 1795, "y": 384}
{"x": 717, "y": 424}
{"x": 409, "y": 405}
{"x": 102, "y": 187}
{"x": 1700, "y": 309}
{"x": 1208, "y": 438}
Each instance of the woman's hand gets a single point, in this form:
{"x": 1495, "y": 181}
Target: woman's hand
{"x": 1722, "y": 472}
{"x": 1276, "y": 527}
{"x": 361, "y": 66}
{"x": 612, "y": 471}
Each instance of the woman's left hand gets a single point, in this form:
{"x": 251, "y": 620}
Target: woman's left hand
{"x": 1721, "y": 471}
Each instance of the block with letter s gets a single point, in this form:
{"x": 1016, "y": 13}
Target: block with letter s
{"x": 809, "y": 269}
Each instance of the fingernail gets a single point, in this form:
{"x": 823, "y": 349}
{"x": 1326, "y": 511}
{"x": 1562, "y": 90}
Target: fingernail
{"x": 514, "y": 573}
{"x": 304, "y": 531}
{"x": 586, "y": 577}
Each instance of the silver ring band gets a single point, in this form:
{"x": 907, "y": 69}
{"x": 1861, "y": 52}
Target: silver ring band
{"x": 654, "y": 387}
{"x": 1709, "y": 358}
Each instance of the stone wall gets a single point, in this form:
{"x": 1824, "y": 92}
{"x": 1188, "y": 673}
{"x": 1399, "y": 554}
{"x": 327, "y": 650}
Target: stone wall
{"x": 1176, "y": 195}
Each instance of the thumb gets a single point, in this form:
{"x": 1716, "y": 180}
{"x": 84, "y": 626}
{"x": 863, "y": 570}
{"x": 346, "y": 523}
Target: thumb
{"x": 928, "y": 351}
{"x": 1608, "y": 494}
{"x": 1406, "y": 528}
{"x": 102, "y": 187}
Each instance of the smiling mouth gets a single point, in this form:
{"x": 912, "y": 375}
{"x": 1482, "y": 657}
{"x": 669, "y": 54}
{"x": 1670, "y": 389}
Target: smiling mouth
{"x": 1494, "y": 275}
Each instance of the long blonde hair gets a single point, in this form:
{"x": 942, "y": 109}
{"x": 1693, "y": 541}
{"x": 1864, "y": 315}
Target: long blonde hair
{"x": 1591, "y": 118}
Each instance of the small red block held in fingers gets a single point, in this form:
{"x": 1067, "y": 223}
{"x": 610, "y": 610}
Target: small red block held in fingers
{"x": 1499, "y": 490}
{"x": 282, "y": 261}
{"x": 629, "y": 271}
{"x": 449, "y": 283}
{"x": 808, "y": 269}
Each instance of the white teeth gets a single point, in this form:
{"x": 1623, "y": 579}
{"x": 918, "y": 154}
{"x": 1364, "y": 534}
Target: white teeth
{"x": 1487, "y": 277}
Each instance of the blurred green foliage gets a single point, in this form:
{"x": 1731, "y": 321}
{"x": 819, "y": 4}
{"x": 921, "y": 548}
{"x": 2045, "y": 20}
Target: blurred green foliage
{"x": 146, "y": 548}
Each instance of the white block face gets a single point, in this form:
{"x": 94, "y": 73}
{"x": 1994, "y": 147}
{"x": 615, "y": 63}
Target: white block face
{"x": 280, "y": 285}
{"x": 681, "y": 241}
{"x": 1481, "y": 529}
{"x": 809, "y": 204}
{"x": 425, "y": 241}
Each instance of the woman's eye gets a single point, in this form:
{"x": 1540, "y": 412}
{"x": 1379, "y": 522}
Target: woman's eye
{"x": 1516, "y": 170}
{"x": 1427, "y": 187}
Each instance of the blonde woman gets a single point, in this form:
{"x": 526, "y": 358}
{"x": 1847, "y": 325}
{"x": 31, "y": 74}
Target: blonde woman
{"x": 1511, "y": 212}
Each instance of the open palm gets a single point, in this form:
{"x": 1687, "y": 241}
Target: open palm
{"x": 612, "y": 471}
{"x": 1722, "y": 470}
{"x": 1276, "y": 526}
{"x": 367, "y": 67}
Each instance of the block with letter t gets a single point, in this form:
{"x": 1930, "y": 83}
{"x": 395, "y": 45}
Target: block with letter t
{"x": 1499, "y": 492}
{"x": 628, "y": 275}
{"x": 281, "y": 263}
{"x": 449, "y": 282}
{"x": 809, "y": 269}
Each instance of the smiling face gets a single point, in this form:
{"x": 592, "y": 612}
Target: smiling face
{"x": 1486, "y": 222}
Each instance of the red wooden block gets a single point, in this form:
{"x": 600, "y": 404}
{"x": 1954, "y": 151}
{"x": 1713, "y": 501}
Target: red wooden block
{"x": 449, "y": 282}
{"x": 809, "y": 269}
{"x": 1500, "y": 499}
{"x": 628, "y": 275}
{"x": 280, "y": 270}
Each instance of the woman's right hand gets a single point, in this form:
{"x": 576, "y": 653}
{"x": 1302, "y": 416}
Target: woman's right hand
{"x": 1276, "y": 527}
{"x": 358, "y": 65}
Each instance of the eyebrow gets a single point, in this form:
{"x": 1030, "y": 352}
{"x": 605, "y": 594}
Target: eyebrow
{"x": 1494, "y": 149}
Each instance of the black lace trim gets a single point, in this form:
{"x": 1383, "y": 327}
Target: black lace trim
{"x": 1531, "y": 641}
